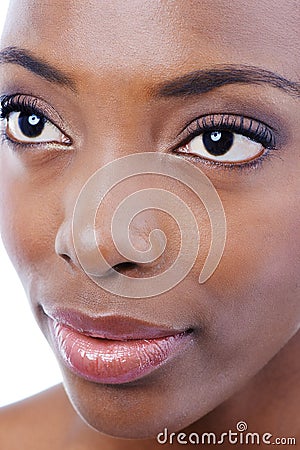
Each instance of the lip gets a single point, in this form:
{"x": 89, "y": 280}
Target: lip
{"x": 113, "y": 349}
{"x": 114, "y": 327}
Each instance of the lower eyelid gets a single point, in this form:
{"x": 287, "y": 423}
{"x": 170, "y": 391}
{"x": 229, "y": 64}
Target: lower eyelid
{"x": 37, "y": 148}
{"x": 245, "y": 167}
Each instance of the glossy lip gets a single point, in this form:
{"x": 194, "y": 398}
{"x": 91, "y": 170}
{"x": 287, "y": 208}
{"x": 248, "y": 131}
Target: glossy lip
{"x": 113, "y": 349}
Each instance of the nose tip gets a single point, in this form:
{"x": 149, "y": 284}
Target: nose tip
{"x": 96, "y": 259}
{"x": 97, "y": 251}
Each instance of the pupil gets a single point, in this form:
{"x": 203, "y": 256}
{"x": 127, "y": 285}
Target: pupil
{"x": 217, "y": 142}
{"x": 31, "y": 125}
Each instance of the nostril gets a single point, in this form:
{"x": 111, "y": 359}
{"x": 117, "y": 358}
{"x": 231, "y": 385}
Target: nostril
{"x": 65, "y": 257}
{"x": 124, "y": 267}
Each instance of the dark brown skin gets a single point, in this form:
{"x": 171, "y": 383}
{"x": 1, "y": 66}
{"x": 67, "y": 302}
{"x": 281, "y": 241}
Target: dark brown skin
{"x": 244, "y": 362}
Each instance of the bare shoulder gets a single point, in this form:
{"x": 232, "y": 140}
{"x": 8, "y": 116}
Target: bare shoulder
{"x": 39, "y": 422}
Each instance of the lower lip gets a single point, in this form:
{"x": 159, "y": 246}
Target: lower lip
{"x": 111, "y": 361}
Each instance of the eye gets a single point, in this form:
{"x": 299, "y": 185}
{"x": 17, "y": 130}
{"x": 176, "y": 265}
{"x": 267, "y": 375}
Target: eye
{"x": 227, "y": 139}
{"x": 224, "y": 146}
{"x": 32, "y": 128}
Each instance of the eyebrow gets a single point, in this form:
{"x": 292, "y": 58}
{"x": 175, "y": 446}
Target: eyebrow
{"x": 194, "y": 83}
{"x": 40, "y": 67}
{"x": 203, "y": 81}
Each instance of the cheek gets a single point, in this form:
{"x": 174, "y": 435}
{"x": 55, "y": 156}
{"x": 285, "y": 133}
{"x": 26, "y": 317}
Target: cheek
{"x": 258, "y": 274}
{"x": 29, "y": 219}
{"x": 265, "y": 239}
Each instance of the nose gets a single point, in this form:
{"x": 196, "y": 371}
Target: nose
{"x": 107, "y": 239}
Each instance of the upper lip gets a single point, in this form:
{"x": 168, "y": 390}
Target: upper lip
{"x": 113, "y": 327}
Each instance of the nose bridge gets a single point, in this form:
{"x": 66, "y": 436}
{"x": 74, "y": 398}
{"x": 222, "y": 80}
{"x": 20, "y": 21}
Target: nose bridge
{"x": 124, "y": 119}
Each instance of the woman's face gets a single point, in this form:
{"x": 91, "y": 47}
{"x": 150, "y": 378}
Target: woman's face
{"x": 111, "y": 101}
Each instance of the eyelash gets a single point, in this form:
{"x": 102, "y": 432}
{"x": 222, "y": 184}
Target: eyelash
{"x": 16, "y": 103}
{"x": 256, "y": 131}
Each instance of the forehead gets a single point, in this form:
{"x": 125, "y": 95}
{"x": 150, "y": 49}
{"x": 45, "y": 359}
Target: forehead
{"x": 157, "y": 35}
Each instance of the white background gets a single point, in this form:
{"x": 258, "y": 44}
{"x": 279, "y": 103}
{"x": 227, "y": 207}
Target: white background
{"x": 27, "y": 364}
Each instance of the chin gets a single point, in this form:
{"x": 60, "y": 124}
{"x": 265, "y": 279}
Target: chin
{"x": 139, "y": 410}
